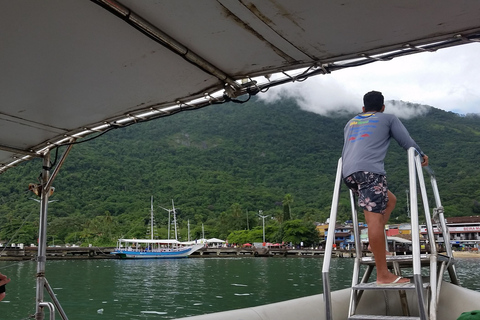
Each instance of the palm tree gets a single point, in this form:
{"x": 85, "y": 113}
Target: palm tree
{"x": 237, "y": 217}
{"x": 287, "y": 210}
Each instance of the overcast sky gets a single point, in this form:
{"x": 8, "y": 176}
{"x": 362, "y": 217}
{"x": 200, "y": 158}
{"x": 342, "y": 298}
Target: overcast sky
{"x": 447, "y": 79}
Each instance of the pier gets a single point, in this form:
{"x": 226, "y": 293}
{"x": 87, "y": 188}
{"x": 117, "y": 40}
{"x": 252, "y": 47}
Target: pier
{"x": 30, "y": 253}
{"x": 58, "y": 253}
{"x": 257, "y": 252}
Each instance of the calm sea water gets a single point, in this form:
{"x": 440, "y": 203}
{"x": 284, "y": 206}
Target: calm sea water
{"x": 166, "y": 289}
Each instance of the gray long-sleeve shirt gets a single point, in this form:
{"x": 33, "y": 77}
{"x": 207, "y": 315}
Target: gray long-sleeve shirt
{"x": 367, "y": 137}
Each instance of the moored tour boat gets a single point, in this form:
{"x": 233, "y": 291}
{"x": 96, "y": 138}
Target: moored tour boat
{"x": 153, "y": 249}
{"x": 156, "y": 248}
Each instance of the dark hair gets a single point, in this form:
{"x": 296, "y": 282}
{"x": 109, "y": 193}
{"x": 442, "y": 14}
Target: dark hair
{"x": 373, "y": 101}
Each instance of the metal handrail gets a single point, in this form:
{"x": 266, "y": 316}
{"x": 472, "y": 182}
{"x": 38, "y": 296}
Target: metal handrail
{"x": 414, "y": 172}
{"x": 440, "y": 219}
{"x": 417, "y": 272}
{"x": 431, "y": 237}
{"x": 439, "y": 207}
{"x": 329, "y": 244}
{"x": 358, "y": 255}
{"x": 55, "y": 301}
{"x": 50, "y": 307}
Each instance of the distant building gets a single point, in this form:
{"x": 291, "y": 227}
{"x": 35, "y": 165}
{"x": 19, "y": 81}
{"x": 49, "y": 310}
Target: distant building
{"x": 322, "y": 228}
{"x": 344, "y": 235}
{"x": 464, "y": 232}
{"x": 405, "y": 228}
{"x": 392, "y": 230}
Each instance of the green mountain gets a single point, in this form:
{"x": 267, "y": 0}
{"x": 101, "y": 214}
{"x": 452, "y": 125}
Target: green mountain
{"x": 222, "y": 164}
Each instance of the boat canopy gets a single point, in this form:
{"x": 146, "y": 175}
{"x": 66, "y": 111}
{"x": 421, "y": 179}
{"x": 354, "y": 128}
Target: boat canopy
{"x": 159, "y": 241}
{"x": 73, "y": 68}
{"x": 215, "y": 240}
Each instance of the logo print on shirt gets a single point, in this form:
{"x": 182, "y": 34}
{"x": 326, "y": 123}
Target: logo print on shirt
{"x": 361, "y": 127}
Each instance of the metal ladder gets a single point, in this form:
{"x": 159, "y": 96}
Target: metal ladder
{"x": 424, "y": 289}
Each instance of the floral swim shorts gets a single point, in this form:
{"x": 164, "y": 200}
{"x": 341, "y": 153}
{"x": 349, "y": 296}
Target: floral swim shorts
{"x": 371, "y": 190}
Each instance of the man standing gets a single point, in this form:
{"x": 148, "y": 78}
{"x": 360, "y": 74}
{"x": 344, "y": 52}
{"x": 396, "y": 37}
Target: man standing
{"x": 366, "y": 140}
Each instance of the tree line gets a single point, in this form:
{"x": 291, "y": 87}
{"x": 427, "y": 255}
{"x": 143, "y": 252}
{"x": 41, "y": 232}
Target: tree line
{"x": 221, "y": 165}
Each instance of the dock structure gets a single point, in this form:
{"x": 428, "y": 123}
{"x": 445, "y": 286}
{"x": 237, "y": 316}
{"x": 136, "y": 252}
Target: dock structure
{"x": 257, "y": 252}
{"x": 61, "y": 252}
{"x": 30, "y": 253}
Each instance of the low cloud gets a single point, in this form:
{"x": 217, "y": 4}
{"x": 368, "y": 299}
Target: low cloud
{"x": 321, "y": 96}
{"x": 405, "y": 110}
{"x": 327, "y": 97}
{"x": 447, "y": 79}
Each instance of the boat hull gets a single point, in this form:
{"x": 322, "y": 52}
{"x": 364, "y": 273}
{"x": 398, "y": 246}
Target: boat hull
{"x": 166, "y": 254}
{"x": 453, "y": 301}
{"x": 153, "y": 255}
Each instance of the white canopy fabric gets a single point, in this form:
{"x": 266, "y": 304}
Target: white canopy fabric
{"x": 161, "y": 241}
{"x": 74, "y": 68}
{"x": 199, "y": 241}
{"x": 215, "y": 240}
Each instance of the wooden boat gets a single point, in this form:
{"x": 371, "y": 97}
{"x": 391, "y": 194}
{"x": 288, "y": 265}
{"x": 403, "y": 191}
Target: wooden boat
{"x": 154, "y": 249}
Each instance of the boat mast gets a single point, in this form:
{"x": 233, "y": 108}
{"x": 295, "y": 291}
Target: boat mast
{"x": 151, "y": 218}
{"x": 169, "y": 211}
{"x": 174, "y": 220}
{"x": 168, "y": 237}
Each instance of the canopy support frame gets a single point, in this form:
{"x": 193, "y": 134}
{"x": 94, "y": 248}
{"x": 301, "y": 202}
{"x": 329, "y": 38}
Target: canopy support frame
{"x": 167, "y": 41}
{"x": 41, "y": 281}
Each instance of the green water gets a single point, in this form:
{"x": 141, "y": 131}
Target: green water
{"x": 166, "y": 289}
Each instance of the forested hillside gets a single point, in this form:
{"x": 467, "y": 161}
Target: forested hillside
{"x": 221, "y": 165}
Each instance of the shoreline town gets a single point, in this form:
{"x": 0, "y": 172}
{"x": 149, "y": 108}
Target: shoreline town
{"x": 72, "y": 253}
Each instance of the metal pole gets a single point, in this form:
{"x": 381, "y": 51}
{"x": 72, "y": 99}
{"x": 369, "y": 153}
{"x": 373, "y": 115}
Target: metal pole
{"x": 46, "y": 186}
{"x": 329, "y": 243}
{"x": 441, "y": 218}
{"x": 431, "y": 238}
{"x": 50, "y": 307}
{"x": 426, "y": 208}
{"x": 42, "y": 241}
{"x": 263, "y": 223}
{"x": 174, "y": 220}
{"x": 408, "y": 206}
{"x": 417, "y": 276}
{"x": 263, "y": 219}
{"x": 354, "y": 297}
{"x": 356, "y": 231}
{"x": 151, "y": 218}
{"x": 55, "y": 300}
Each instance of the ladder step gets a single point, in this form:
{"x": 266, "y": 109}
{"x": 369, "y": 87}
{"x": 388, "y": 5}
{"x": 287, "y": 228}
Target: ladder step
{"x": 396, "y": 286}
{"x": 405, "y": 259}
{"x": 373, "y": 317}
